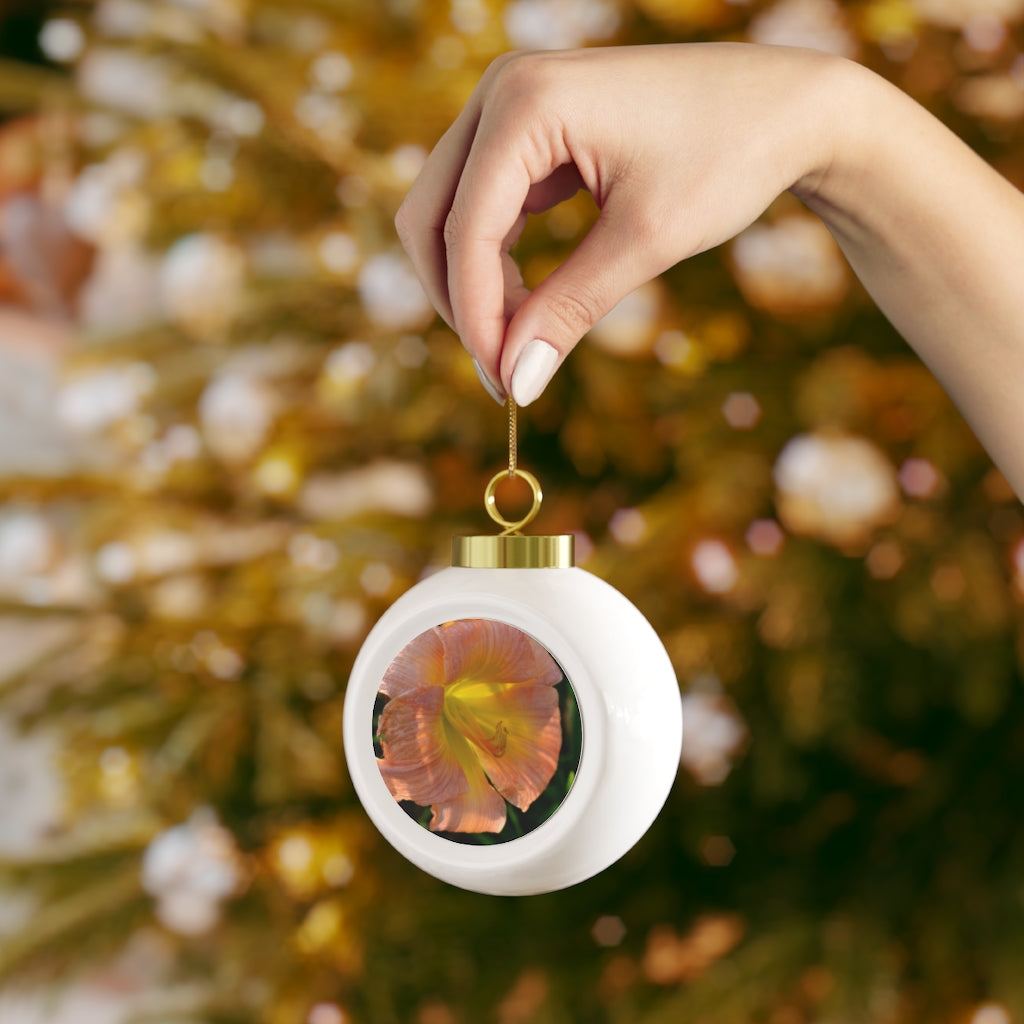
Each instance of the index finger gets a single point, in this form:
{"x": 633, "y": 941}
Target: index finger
{"x": 503, "y": 165}
{"x": 420, "y": 219}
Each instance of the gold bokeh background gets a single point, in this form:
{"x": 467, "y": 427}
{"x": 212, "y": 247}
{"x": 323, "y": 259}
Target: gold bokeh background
{"x": 233, "y": 432}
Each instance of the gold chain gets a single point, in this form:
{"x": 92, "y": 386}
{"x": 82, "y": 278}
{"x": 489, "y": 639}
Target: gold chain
{"x": 513, "y": 453}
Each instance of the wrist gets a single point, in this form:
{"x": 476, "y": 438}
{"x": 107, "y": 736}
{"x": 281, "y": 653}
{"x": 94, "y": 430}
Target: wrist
{"x": 843, "y": 106}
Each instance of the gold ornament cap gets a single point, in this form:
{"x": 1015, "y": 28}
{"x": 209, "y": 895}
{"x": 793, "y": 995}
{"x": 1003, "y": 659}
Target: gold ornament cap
{"x": 510, "y": 549}
{"x": 513, "y": 551}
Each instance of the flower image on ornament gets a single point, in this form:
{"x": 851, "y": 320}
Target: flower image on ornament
{"x": 476, "y": 722}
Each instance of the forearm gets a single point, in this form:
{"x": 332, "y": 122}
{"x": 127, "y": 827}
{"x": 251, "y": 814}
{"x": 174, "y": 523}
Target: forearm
{"x": 937, "y": 238}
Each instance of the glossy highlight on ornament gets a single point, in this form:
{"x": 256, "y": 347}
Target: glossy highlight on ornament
{"x": 477, "y": 731}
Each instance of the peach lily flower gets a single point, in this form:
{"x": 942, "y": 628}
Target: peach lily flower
{"x": 472, "y": 721}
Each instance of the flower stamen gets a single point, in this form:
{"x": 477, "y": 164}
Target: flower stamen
{"x": 466, "y": 722}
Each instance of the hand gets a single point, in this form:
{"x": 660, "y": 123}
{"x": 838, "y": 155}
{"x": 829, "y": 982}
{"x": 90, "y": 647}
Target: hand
{"x": 684, "y": 146}
{"x": 681, "y": 147}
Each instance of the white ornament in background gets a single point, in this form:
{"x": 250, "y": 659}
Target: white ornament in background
{"x": 190, "y": 870}
{"x": 116, "y": 562}
{"x": 350, "y": 364}
{"x": 815, "y": 24}
{"x": 122, "y": 293}
{"x": 406, "y": 162}
{"x": 167, "y": 551}
{"x": 559, "y": 24}
{"x": 31, "y": 792}
{"x": 279, "y": 356}
{"x": 105, "y": 205}
{"x": 237, "y": 115}
{"x": 1018, "y": 566}
{"x": 132, "y": 986}
{"x": 339, "y": 252}
{"x": 35, "y": 442}
{"x": 741, "y": 410}
{"x": 628, "y": 328}
{"x": 122, "y": 19}
{"x": 38, "y": 566}
{"x": 236, "y": 412}
{"x": 24, "y": 641}
{"x": 315, "y": 554}
{"x": 77, "y": 1005}
{"x": 202, "y": 280}
{"x": 125, "y": 80}
{"x": 62, "y": 40}
{"x": 377, "y": 579}
{"x": 134, "y": 19}
{"x": 714, "y": 566}
{"x": 96, "y": 399}
{"x": 715, "y": 733}
{"x": 959, "y": 13}
{"x": 991, "y": 1013}
{"x": 331, "y": 117}
{"x": 392, "y": 294}
{"x": 998, "y": 97}
{"x": 389, "y": 487}
{"x": 628, "y": 526}
{"x": 470, "y": 17}
{"x": 331, "y": 71}
{"x": 791, "y": 265}
{"x": 835, "y": 487}
{"x": 29, "y": 544}
{"x": 985, "y": 32}
{"x": 347, "y": 621}
{"x": 226, "y": 18}
{"x": 920, "y": 478}
{"x": 180, "y": 598}
{"x": 326, "y": 1013}
{"x": 152, "y": 553}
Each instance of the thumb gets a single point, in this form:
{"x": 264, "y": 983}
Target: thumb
{"x": 607, "y": 265}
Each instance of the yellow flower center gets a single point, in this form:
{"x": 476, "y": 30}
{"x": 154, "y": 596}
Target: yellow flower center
{"x": 463, "y": 702}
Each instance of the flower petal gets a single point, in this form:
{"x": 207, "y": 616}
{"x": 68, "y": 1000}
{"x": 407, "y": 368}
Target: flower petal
{"x": 483, "y": 650}
{"x": 516, "y": 732}
{"x": 419, "y": 762}
{"x": 420, "y": 663}
{"x": 480, "y": 808}
{"x": 473, "y": 717}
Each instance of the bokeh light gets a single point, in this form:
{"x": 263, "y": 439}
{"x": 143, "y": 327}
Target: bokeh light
{"x": 234, "y": 431}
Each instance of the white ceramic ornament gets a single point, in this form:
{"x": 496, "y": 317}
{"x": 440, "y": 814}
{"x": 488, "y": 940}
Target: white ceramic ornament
{"x": 512, "y": 723}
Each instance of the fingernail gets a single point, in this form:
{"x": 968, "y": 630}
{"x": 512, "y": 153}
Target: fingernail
{"x": 534, "y": 369}
{"x": 489, "y": 386}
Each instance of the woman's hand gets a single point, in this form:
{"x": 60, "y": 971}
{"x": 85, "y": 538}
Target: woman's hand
{"x": 684, "y": 146}
{"x": 680, "y": 146}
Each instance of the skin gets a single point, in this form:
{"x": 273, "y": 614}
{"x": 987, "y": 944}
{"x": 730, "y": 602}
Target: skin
{"x": 682, "y": 147}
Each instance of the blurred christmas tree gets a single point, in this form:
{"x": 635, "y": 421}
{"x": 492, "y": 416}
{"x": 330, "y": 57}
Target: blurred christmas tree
{"x": 262, "y": 436}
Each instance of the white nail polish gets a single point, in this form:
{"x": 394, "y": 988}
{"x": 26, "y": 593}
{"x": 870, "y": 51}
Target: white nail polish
{"x": 489, "y": 386}
{"x": 534, "y": 369}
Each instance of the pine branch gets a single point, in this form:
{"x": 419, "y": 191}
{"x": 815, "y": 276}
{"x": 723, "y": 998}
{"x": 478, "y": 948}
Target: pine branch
{"x": 22, "y": 86}
{"x": 65, "y": 927}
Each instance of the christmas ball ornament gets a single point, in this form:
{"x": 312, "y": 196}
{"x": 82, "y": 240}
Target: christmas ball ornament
{"x": 512, "y": 723}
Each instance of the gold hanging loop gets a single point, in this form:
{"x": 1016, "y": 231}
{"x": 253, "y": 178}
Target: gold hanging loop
{"x": 491, "y": 502}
